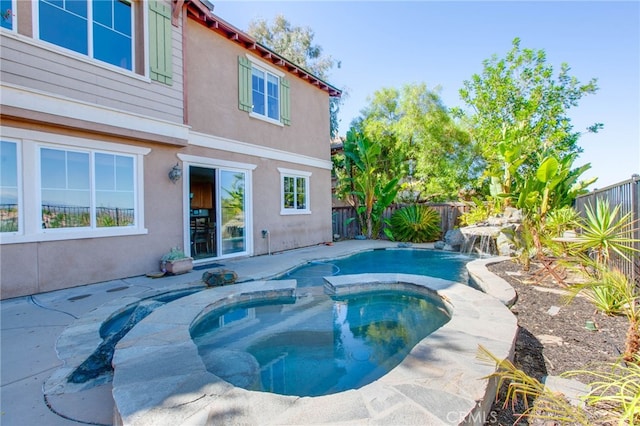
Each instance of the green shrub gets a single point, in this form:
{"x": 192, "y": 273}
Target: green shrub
{"x": 174, "y": 254}
{"x": 605, "y": 299}
{"x": 480, "y": 211}
{"x": 560, "y": 220}
{"x": 415, "y": 223}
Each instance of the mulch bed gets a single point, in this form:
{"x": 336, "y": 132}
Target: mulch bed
{"x": 553, "y": 337}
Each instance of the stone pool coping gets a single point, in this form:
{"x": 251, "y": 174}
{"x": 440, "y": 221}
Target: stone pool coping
{"x": 485, "y": 280}
{"x": 159, "y": 378}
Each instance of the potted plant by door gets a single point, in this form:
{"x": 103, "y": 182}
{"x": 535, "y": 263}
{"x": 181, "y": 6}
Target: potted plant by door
{"x": 176, "y": 262}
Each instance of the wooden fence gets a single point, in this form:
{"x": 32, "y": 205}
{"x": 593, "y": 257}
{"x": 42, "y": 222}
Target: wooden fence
{"x": 346, "y": 226}
{"x": 627, "y": 195}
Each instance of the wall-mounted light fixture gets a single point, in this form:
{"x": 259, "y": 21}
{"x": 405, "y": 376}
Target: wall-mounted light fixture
{"x": 175, "y": 173}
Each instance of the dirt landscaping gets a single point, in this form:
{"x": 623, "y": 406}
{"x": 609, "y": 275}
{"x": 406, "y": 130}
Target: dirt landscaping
{"x": 553, "y": 336}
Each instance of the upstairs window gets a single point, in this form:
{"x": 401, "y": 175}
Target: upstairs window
{"x": 266, "y": 93}
{"x": 263, "y": 91}
{"x": 7, "y": 14}
{"x": 295, "y": 191}
{"x": 100, "y": 29}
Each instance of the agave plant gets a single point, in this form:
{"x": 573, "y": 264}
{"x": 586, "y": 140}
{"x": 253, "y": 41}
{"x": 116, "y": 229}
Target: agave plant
{"x": 415, "y": 223}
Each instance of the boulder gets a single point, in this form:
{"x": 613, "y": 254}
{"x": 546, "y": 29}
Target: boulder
{"x": 505, "y": 245}
{"x": 454, "y": 238}
{"x": 219, "y": 277}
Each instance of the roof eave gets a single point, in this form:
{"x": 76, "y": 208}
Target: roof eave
{"x": 200, "y": 11}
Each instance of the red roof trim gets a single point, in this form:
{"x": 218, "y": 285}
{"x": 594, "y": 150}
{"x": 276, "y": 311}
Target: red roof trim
{"x": 197, "y": 10}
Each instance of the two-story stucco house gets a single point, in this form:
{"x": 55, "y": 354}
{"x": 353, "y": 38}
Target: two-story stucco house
{"x": 130, "y": 127}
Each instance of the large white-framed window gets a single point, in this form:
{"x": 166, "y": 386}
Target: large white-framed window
{"x": 10, "y": 194}
{"x": 86, "y": 188}
{"x": 8, "y": 14}
{"x": 61, "y": 187}
{"x": 294, "y": 187}
{"x": 100, "y": 29}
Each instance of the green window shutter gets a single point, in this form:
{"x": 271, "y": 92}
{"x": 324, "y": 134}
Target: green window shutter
{"x": 160, "y": 50}
{"x": 285, "y": 106}
{"x": 245, "y": 99}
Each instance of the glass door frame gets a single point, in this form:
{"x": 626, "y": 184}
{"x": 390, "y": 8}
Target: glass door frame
{"x": 218, "y": 166}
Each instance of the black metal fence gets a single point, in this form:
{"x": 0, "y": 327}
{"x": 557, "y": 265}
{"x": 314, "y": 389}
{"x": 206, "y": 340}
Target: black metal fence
{"x": 626, "y": 194}
{"x": 8, "y": 217}
{"x": 57, "y": 216}
{"x": 346, "y": 225}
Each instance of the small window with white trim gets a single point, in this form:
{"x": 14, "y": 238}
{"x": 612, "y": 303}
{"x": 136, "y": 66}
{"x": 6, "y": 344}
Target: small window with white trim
{"x": 294, "y": 186}
{"x": 263, "y": 91}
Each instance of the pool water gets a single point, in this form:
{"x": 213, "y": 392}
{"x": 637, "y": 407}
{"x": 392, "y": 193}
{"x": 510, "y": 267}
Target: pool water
{"x": 434, "y": 263}
{"x": 316, "y": 345}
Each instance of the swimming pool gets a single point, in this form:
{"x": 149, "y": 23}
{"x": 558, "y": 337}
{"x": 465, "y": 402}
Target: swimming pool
{"x": 434, "y": 263}
{"x": 159, "y": 373}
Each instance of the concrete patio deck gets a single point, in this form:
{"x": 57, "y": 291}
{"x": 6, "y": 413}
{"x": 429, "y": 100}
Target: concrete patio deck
{"x": 31, "y": 327}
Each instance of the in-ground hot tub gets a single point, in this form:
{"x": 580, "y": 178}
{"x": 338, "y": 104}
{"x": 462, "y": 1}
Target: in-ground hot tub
{"x": 160, "y": 378}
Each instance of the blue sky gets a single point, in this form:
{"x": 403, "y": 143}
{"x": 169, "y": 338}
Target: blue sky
{"x": 389, "y": 44}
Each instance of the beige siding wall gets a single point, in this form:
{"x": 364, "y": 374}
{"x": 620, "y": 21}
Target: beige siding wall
{"x": 212, "y": 93}
{"x": 38, "y": 65}
{"x": 31, "y": 266}
{"x": 35, "y": 267}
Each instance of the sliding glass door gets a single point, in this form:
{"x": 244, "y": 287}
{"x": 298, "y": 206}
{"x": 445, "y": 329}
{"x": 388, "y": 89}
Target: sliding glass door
{"x": 219, "y": 211}
{"x": 233, "y": 212}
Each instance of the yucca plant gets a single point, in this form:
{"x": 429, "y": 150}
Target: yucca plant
{"x": 415, "y": 223}
{"x": 538, "y": 400}
{"x": 604, "y": 233}
{"x": 616, "y": 387}
{"x": 627, "y": 301}
{"x": 560, "y": 220}
{"x": 605, "y": 299}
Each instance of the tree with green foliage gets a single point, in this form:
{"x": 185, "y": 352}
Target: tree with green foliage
{"x": 415, "y": 128}
{"x": 363, "y": 183}
{"x": 296, "y": 44}
{"x": 520, "y": 114}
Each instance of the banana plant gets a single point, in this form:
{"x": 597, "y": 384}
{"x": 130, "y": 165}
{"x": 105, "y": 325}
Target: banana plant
{"x": 555, "y": 185}
{"x": 369, "y": 193}
{"x": 503, "y": 174}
